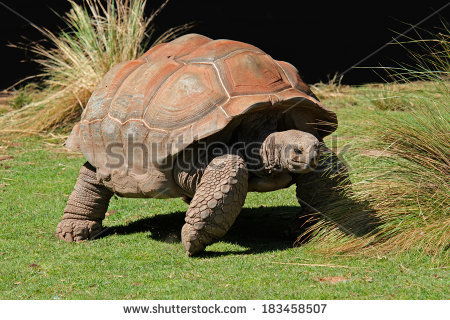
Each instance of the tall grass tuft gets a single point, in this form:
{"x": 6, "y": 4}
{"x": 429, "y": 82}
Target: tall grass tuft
{"x": 98, "y": 35}
{"x": 433, "y": 61}
{"x": 421, "y": 178}
{"x": 408, "y": 193}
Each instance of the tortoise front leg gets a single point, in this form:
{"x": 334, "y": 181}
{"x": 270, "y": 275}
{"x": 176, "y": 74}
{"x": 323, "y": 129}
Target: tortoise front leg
{"x": 85, "y": 208}
{"x": 319, "y": 191}
{"x": 323, "y": 185}
{"x": 326, "y": 192}
{"x": 216, "y": 204}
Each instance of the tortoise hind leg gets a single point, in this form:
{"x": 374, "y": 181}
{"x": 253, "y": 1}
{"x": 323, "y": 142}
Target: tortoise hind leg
{"x": 85, "y": 208}
{"x": 216, "y": 204}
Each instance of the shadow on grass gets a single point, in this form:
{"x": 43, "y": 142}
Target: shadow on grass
{"x": 262, "y": 229}
{"x": 257, "y": 229}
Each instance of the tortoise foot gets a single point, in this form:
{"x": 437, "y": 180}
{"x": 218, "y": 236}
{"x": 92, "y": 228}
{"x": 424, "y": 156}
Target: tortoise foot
{"x": 74, "y": 230}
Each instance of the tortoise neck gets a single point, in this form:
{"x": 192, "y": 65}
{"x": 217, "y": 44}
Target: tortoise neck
{"x": 270, "y": 155}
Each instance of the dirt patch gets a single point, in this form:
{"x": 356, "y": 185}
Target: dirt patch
{"x": 3, "y": 158}
{"x": 332, "y": 280}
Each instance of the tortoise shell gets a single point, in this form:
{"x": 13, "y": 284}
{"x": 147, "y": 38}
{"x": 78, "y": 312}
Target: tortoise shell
{"x": 176, "y": 93}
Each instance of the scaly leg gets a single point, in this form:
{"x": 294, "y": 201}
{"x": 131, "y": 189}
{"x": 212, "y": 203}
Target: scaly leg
{"x": 85, "y": 208}
{"x": 216, "y": 204}
{"x": 327, "y": 193}
{"x": 320, "y": 190}
{"x": 323, "y": 185}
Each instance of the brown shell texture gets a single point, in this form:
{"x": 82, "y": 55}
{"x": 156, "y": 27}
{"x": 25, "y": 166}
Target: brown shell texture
{"x": 182, "y": 91}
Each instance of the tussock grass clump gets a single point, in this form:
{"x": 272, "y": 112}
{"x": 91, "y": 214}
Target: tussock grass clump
{"x": 431, "y": 61}
{"x": 413, "y": 197}
{"x": 98, "y": 35}
{"x": 400, "y": 202}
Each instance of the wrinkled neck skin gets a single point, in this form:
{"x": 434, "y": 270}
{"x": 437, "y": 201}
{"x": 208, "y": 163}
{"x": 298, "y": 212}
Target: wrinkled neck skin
{"x": 255, "y": 129}
{"x": 270, "y": 156}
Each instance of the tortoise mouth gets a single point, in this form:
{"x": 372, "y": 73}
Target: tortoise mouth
{"x": 300, "y": 166}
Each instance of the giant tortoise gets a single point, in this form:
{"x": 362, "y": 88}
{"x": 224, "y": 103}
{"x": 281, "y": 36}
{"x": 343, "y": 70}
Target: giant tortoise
{"x": 206, "y": 120}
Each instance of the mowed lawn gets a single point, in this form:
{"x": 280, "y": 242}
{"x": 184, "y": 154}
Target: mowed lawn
{"x": 141, "y": 256}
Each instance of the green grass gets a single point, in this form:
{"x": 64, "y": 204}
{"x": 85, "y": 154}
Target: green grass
{"x": 23, "y": 97}
{"x": 142, "y": 258}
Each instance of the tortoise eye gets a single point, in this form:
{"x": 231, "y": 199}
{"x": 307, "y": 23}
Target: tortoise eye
{"x": 298, "y": 151}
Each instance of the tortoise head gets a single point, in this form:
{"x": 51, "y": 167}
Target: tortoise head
{"x": 291, "y": 151}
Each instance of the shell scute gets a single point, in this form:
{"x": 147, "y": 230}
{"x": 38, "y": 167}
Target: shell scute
{"x": 99, "y": 103}
{"x": 238, "y": 105}
{"x": 294, "y": 77}
{"x": 114, "y": 152}
{"x": 158, "y": 146}
{"x": 136, "y": 151}
{"x": 249, "y": 73}
{"x": 176, "y": 48}
{"x": 217, "y": 49}
{"x": 97, "y": 144}
{"x": 86, "y": 142}
{"x": 131, "y": 99}
{"x": 188, "y": 95}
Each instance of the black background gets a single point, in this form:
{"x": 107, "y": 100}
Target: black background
{"x": 319, "y": 38}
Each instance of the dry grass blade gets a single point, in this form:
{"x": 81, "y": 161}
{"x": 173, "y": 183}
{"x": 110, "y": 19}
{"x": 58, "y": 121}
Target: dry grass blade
{"x": 315, "y": 265}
